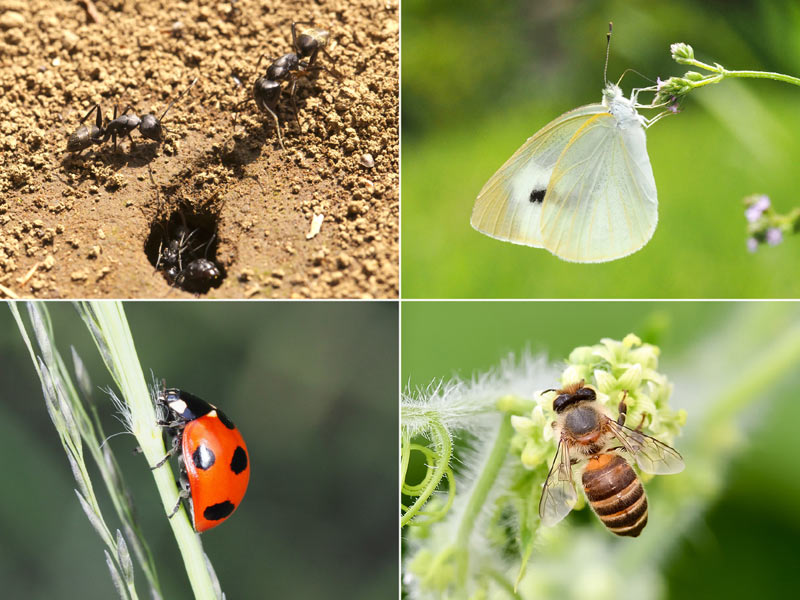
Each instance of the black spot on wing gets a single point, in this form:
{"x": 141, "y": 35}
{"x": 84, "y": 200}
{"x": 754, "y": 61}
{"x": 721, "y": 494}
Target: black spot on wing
{"x": 225, "y": 420}
{"x": 217, "y": 512}
{"x": 203, "y": 457}
{"x": 239, "y": 460}
{"x": 537, "y": 195}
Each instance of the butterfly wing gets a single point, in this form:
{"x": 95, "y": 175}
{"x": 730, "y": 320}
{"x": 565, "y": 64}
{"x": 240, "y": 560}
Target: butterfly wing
{"x": 509, "y": 206}
{"x": 601, "y": 200}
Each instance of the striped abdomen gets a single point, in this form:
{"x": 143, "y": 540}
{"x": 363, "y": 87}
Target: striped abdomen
{"x": 616, "y": 494}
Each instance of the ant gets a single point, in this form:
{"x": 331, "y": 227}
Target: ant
{"x": 292, "y": 66}
{"x": 198, "y": 273}
{"x": 149, "y": 126}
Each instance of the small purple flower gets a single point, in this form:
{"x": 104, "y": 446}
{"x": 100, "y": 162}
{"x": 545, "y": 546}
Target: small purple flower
{"x": 774, "y": 236}
{"x": 659, "y": 83}
{"x": 752, "y": 244}
{"x": 756, "y": 209}
{"x": 762, "y": 203}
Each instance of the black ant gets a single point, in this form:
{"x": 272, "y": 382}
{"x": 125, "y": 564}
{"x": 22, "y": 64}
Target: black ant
{"x": 197, "y": 274}
{"x": 149, "y": 126}
{"x": 292, "y": 66}
{"x": 184, "y": 266}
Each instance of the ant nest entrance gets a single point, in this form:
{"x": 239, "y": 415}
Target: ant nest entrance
{"x": 183, "y": 248}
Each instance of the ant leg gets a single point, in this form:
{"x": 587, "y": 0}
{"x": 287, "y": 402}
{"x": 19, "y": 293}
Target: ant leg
{"x": 332, "y": 73}
{"x": 277, "y": 126}
{"x": 208, "y": 245}
{"x": 294, "y": 103}
{"x": 258, "y": 64}
{"x": 114, "y": 134}
{"x": 236, "y": 106}
{"x": 86, "y": 116}
{"x": 160, "y": 246}
{"x": 98, "y": 121}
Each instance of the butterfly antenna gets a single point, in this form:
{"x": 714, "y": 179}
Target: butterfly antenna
{"x": 629, "y": 70}
{"x": 608, "y": 51}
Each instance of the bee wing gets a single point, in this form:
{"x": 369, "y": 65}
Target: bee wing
{"x": 651, "y": 455}
{"x": 601, "y": 200}
{"x": 509, "y": 206}
{"x": 558, "y": 494}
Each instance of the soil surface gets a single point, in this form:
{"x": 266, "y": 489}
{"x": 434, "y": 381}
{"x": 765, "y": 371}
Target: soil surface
{"x": 93, "y": 224}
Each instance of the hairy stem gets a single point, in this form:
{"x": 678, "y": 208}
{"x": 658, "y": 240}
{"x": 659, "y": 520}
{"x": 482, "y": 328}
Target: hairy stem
{"x": 480, "y": 491}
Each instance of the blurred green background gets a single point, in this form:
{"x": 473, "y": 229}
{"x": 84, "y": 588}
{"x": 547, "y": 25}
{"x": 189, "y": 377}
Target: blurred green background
{"x": 744, "y": 544}
{"x": 480, "y": 77}
{"x": 313, "y": 388}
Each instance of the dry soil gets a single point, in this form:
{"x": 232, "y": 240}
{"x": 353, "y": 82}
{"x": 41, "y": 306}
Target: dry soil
{"x": 79, "y": 226}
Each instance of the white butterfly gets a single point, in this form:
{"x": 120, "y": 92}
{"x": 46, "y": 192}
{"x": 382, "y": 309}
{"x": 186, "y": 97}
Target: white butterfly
{"x": 582, "y": 187}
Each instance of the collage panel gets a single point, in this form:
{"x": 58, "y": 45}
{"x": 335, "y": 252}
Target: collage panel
{"x": 286, "y": 414}
{"x": 199, "y": 149}
{"x": 541, "y": 162}
{"x": 599, "y": 449}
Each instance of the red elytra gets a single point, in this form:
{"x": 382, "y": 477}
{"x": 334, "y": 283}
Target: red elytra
{"x": 215, "y": 464}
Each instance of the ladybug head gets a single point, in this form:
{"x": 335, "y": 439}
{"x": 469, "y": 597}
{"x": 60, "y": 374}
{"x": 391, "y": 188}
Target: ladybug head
{"x": 187, "y": 406}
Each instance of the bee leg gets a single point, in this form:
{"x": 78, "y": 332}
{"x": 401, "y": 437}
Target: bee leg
{"x": 641, "y": 423}
{"x": 623, "y": 409}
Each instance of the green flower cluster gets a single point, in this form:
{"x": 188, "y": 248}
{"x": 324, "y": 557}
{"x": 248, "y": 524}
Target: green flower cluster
{"x": 612, "y": 368}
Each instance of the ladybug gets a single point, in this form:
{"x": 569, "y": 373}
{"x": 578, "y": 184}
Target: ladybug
{"x": 214, "y": 464}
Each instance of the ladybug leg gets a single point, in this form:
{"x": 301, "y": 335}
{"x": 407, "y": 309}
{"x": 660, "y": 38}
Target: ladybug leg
{"x": 176, "y": 442}
{"x": 181, "y": 497}
{"x": 183, "y": 484}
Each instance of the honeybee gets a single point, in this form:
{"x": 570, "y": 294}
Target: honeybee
{"x": 587, "y": 434}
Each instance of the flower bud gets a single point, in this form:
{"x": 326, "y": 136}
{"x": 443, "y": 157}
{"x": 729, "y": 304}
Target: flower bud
{"x": 681, "y": 52}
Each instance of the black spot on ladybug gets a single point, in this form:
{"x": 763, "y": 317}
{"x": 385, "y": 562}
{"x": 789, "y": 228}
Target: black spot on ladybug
{"x": 537, "y": 195}
{"x": 239, "y": 460}
{"x": 203, "y": 458}
{"x": 217, "y": 512}
{"x": 225, "y": 420}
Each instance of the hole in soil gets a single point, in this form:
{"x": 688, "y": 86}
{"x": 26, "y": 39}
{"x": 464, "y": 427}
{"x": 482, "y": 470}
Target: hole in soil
{"x": 183, "y": 248}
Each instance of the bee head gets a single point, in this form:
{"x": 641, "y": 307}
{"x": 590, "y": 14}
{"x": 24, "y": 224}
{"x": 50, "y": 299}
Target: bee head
{"x": 572, "y": 394}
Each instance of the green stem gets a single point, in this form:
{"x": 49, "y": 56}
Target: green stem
{"x": 482, "y": 487}
{"x": 723, "y": 72}
{"x": 109, "y": 326}
{"x": 763, "y": 75}
{"x": 502, "y": 582}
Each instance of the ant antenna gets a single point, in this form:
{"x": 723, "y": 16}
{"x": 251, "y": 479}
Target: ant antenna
{"x": 182, "y": 94}
{"x": 153, "y": 181}
{"x": 608, "y": 51}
